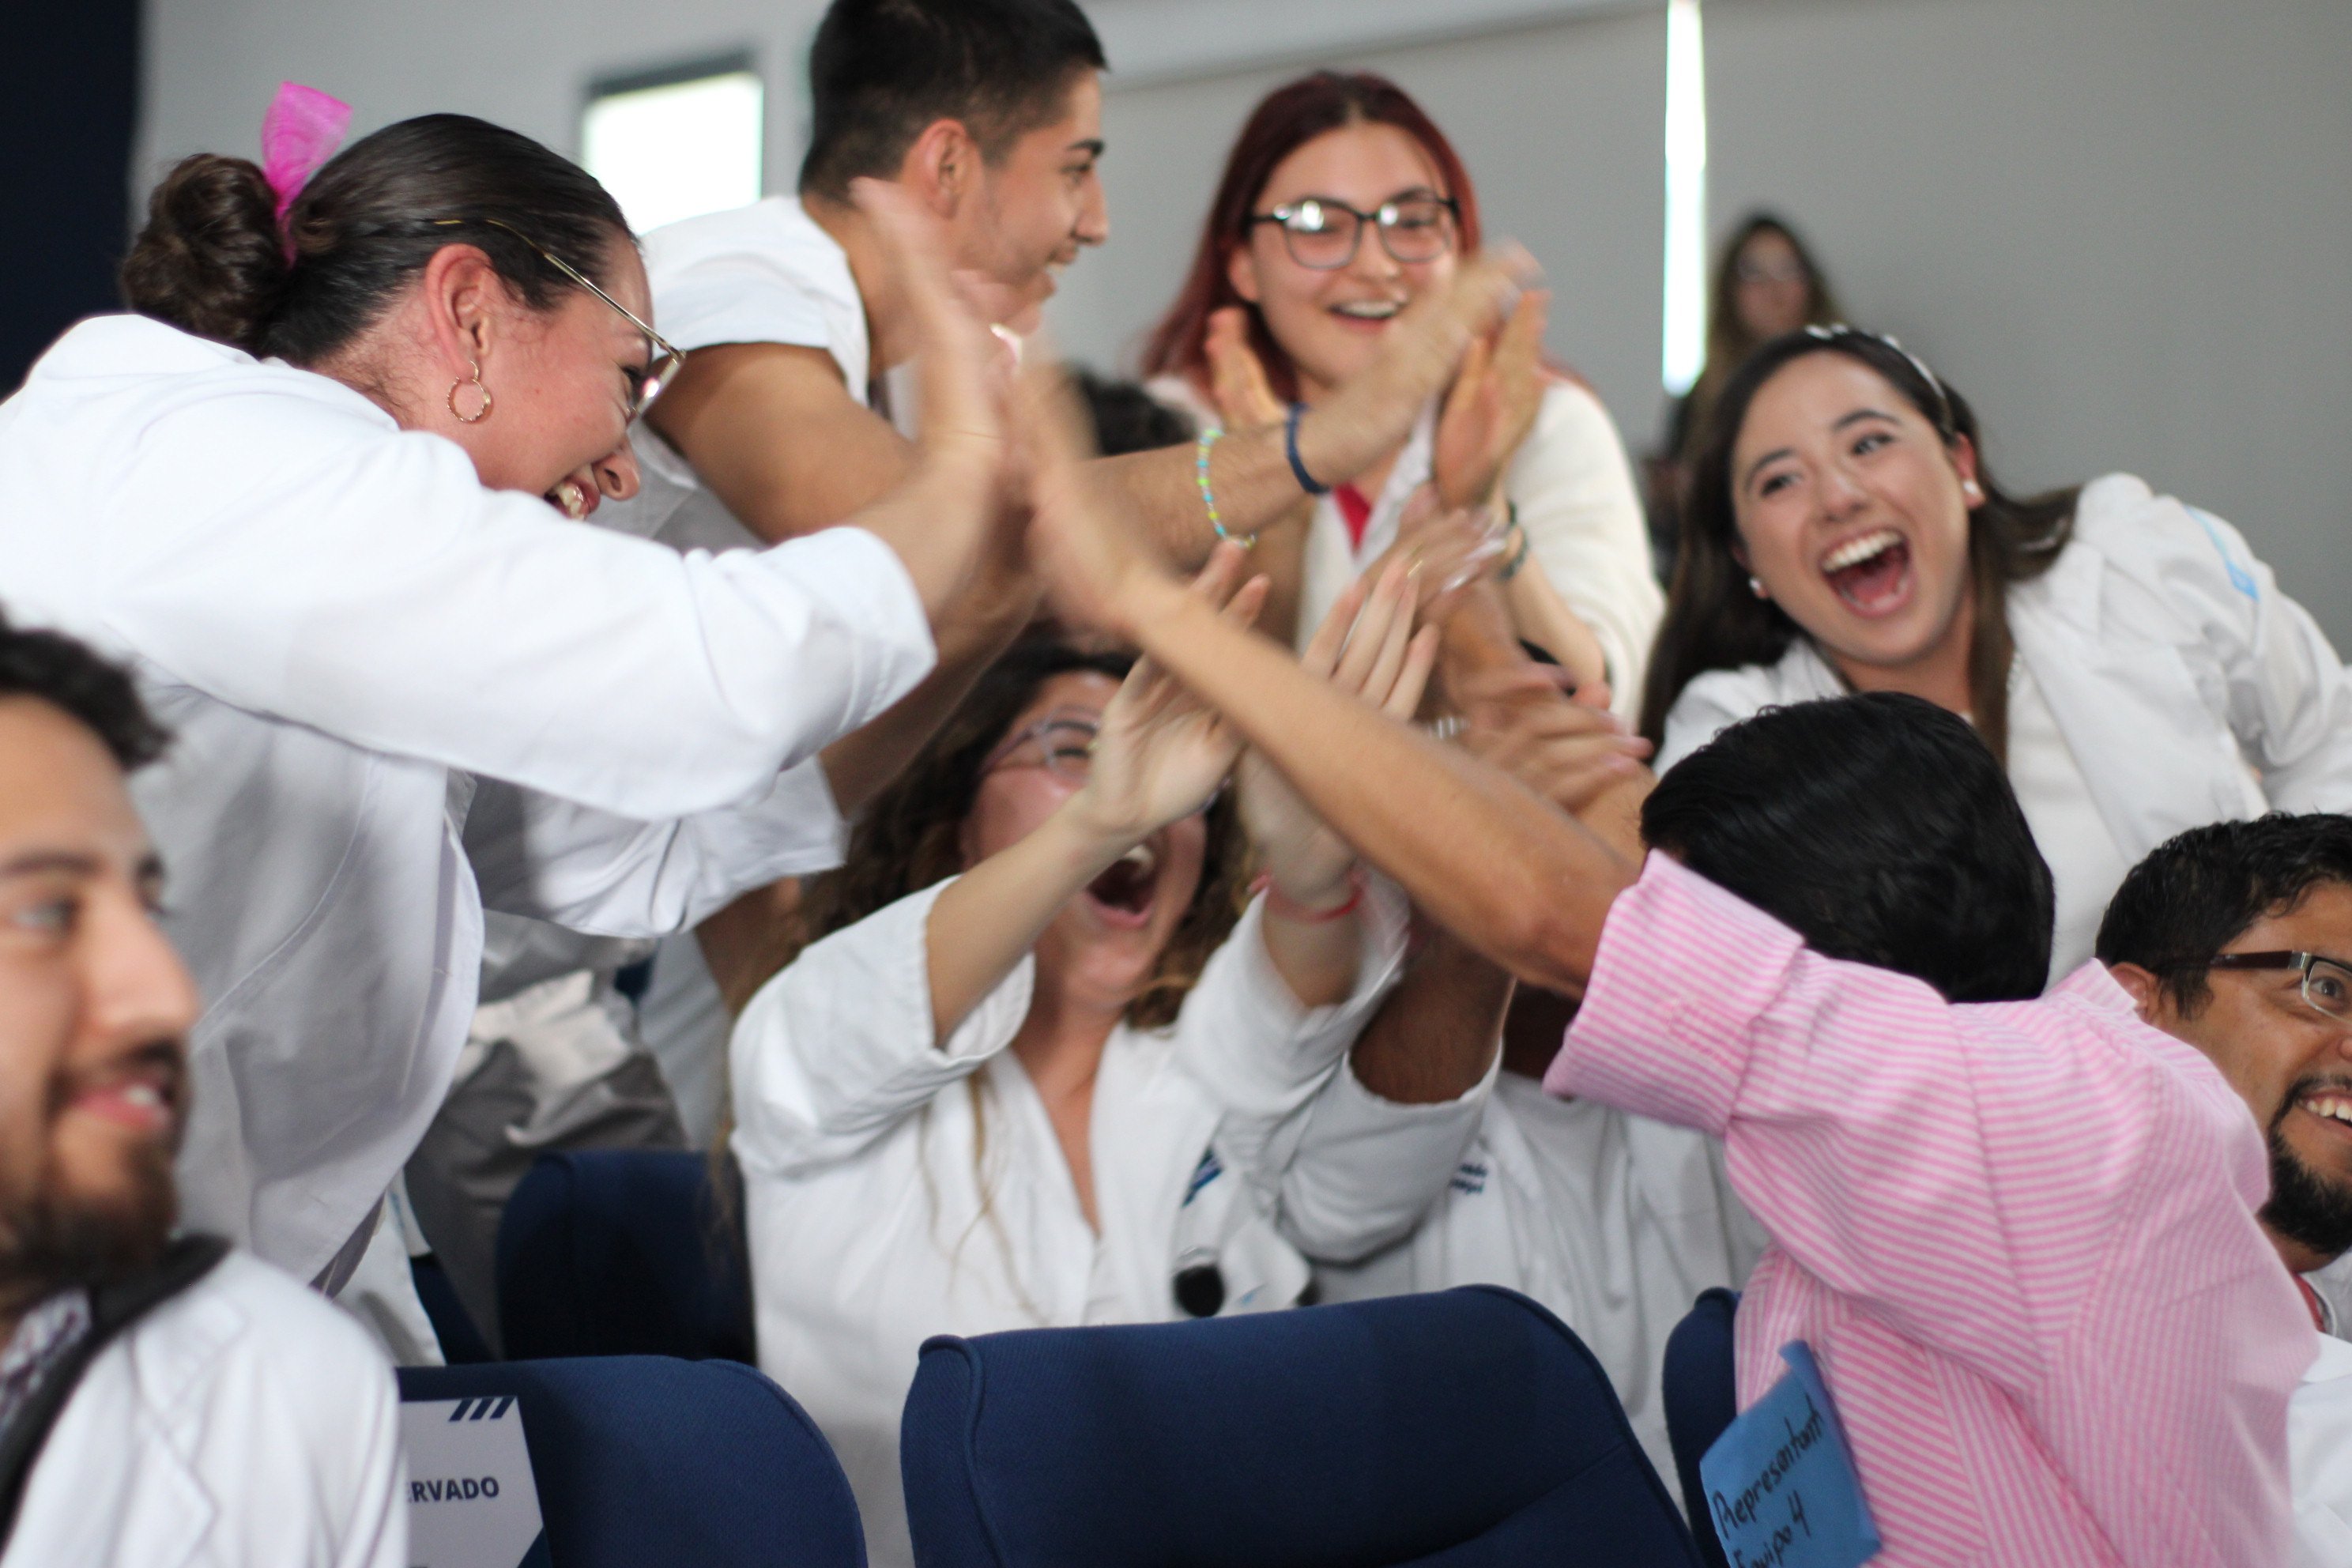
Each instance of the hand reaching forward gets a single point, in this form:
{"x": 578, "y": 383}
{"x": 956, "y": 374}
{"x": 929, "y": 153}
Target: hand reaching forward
{"x": 1160, "y": 754}
{"x": 1571, "y": 752}
{"x": 1368, "y": 649}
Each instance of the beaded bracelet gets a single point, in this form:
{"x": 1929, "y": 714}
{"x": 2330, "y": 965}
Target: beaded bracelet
{"x": 1209, "y": 438}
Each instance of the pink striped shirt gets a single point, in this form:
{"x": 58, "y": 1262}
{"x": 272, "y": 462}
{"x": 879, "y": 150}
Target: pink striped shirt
{"x": 2020, "y": 1237}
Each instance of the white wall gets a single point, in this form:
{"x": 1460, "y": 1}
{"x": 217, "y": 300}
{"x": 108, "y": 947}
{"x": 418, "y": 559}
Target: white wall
{"x": 2121, "y": 227}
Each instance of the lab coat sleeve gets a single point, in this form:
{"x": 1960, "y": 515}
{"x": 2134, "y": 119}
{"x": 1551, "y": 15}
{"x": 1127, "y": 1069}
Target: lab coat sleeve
{"x": 1573, "y": 488}
{"x": 838, "y": 1048}
{"x": 2284, "y": 690}
{"x": 362, "y": 581}
{"x": 1340, "y": 1174}
{"x": 1969, "y": 1182}
{"x": 592, "y": 871}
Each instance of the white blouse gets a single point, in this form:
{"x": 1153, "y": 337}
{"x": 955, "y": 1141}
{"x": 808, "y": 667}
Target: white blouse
{"x": 347, "y": 633}
{"x": 899, "y": 1187}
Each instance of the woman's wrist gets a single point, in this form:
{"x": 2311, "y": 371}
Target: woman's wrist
{"x": 1324, "y": 900}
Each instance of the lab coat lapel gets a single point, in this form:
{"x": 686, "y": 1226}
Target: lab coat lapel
{"x": 2120, "y": 696}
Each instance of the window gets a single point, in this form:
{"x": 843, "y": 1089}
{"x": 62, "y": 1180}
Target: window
{"x": 673, "y": 144}
{"x": 1685, "y": 333}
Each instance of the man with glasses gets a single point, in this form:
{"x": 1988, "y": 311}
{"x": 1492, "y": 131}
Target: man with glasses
{"x": 2237, "y": 938}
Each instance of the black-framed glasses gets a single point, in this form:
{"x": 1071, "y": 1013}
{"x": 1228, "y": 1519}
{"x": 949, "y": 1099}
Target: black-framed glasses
{"x": 2326, "y": 982}
{"x": 667, "y": 356}
{"x": 1325, "y": 234}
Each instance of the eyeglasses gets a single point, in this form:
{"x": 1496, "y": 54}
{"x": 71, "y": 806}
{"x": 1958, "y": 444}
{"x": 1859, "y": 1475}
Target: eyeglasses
{"x": 1791, "y": 271}
{"x": 2326, "y": 982}
{"x": 667, "y": 356}
{"x": 1064, "y": 739}
{"x": 1325, "y": 235}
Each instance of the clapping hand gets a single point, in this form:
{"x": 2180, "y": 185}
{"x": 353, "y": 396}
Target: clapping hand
{"x": 1495, "y": 397}
{"x": 1160, "y": 754}
{"x": 1367, "y": 648}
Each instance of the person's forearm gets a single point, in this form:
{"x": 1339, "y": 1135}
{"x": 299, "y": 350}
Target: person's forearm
{"x": 938, "y": 522}
{"x": 862, "y": 764}
{"x": 1435, "y": 1037}
{"x": 1485, "y": 857}
{"x": 1543, "y": 619}
{"x": 1316, "y": 957}
{"x": 992, "y": 915}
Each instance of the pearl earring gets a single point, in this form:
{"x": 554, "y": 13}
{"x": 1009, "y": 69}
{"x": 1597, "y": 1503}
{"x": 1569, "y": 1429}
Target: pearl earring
{"x": 1970, "y": 489}
{"x": 1756, "y": 587}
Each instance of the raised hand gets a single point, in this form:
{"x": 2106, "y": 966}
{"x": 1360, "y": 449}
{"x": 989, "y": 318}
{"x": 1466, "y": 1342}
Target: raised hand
{"x": 1571, "y": 752}
{"x": 964, "y": 368}
{"x": 1366, "y": 648}
{"x": 1420, "y": 355}
{"x": 1161, "y": 754}
{"x": 1237, "y": 378}
{"x": 1495, "y": 397}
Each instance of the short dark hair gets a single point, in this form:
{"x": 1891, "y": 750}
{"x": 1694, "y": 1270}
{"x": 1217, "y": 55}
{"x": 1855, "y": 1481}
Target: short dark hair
{"x": 880, "y": 71}
{"x": 1880, "y": 829}
{"x": 2197, "y": 892}
{"x": 100, "y": 694}
{"x": 1127, "y": 418}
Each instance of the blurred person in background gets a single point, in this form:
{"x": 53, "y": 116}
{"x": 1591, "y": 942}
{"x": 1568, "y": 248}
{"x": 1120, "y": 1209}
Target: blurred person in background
{"x": 1765, "y": 283}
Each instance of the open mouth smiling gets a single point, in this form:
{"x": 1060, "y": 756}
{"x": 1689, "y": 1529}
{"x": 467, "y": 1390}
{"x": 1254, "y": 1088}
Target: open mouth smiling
{"x": 1871, "y": 572}
{"x": 1124, "y": 893}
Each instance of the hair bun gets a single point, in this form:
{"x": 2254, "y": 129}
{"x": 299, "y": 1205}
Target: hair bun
{"x": 210, "y": 259}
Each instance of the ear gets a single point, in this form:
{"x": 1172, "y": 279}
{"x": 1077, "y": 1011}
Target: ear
{"x": 464, "y": 302}
{"x": 1964, "y": 463}
{"x": 2146, "y": 991}
{"x": 943, "y": 166}
{"x": 1240, "y": 271}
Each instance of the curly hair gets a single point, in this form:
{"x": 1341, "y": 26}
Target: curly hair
{"x": 908, "y": 838}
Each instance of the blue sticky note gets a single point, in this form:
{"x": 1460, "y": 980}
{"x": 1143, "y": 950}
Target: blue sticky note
{"x": 1780, "y": 1482}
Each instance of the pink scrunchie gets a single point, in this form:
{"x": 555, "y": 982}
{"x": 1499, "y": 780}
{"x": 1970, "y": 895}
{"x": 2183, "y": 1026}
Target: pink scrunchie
{"x": 301, "y": 132}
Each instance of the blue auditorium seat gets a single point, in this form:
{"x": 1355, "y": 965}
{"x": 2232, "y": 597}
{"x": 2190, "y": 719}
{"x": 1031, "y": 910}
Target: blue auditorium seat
{"x": 623, "y": 1252}
{"x": 1702, "y": 1396}
{"x": 1465, "y": 1428}
{"x": 645, "y": 1460}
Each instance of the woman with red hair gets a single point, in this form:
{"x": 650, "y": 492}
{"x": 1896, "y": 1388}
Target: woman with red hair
{"x": 1342, "y": 202}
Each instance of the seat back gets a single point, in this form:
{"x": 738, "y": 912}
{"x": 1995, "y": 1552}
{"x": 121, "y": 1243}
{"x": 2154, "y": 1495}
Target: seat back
{"x": 644, "y": 1460}
{"x": 623, "y": 1252}
{"x": 1467, "y": 1427}
{"x": 1702, "y": 1396}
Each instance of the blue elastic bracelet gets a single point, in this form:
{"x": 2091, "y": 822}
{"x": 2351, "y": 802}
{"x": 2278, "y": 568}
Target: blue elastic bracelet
{"x": 1290, "y": 450}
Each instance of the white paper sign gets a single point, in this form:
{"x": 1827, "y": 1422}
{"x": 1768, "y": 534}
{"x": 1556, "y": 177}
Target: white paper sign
{"x": 471, "y": 1500}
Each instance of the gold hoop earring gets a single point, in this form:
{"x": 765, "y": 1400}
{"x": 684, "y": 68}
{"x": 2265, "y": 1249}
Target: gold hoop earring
{"x": 481, "y": 413}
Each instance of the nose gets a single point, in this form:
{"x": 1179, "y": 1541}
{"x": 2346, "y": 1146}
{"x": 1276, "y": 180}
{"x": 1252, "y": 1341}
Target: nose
{"x": 1841, "y": 493}
{"x": 616, "y": 472}
{"x": 1093, "y": 226}
{"x": 138, "y": 990}
{"x": 1372, "y": 261}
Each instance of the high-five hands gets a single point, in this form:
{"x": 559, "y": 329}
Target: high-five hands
{"x": 1366, "y": 648}
{"x": 1162, "y": 755}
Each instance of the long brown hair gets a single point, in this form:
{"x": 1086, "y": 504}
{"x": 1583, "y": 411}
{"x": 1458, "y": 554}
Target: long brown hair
{"x": 1729, "y": 340}
{"x": 1288, "y": 119}
{"x": 909, "y": 838}
{"x": 1714, "y": 621}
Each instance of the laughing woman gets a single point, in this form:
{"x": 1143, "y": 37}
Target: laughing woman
{"x": 1342, "y": 203}
{"x": 1038, "y": 1073}
{"x": 2135, "y": 667}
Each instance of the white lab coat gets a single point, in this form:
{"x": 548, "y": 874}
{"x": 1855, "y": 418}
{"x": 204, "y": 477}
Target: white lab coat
{"x": 243, "y": 1423}
{"x": 2319, "y": 1453}
{"x": 344, "y": 628}
{"x": 1614, "y": 1221}
{"x": 864, "y": 1141}
{"x": 2169, "y": 658}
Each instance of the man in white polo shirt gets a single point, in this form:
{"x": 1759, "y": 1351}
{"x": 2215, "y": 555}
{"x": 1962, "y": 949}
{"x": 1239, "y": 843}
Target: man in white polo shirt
{"x": 161, "y": 1399}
